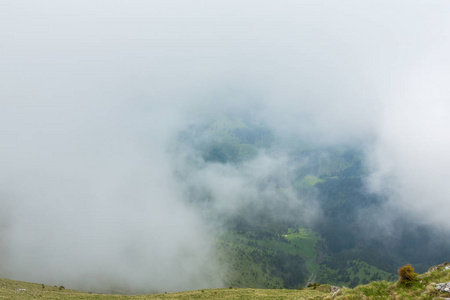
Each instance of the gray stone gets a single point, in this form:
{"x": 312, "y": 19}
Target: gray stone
{"x": 334, "y": 290}
{"x": 444, "y": 264}
{"x": 443, "y": 287}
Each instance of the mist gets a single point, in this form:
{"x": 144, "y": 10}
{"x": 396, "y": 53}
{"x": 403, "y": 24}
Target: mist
{"x": 95, "y": 185}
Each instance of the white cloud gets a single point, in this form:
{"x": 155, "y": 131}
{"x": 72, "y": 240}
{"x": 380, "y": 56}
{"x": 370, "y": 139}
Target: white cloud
{"x": 93, "y": 92}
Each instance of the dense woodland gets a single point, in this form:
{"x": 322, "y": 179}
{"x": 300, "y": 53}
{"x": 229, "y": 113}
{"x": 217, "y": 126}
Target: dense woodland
{"x": 269, "y": 245}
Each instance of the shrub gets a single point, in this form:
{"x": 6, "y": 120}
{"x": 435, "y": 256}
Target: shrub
{"x": 407, "y": 276}
{"x": 313, "y": 285}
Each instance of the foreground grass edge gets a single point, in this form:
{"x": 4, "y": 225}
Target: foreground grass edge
{"x": 423, "y": 288}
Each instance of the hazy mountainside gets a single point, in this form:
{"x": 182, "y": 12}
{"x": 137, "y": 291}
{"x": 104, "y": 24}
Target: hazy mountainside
{"x": 307, "y": 216}
{"x": 165, "y": 146}
{"x": 261, "y": 259}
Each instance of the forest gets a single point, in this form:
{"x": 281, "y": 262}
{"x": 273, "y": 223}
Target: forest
{"x": 261, "y": 245}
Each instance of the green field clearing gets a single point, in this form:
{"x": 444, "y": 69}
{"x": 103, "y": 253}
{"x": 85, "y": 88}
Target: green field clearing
{"x": 248, "y": 256}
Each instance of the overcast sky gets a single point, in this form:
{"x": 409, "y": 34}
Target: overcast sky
{"x": 93, "y": 92}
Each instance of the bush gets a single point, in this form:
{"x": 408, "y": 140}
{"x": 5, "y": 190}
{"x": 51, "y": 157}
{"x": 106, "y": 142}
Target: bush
{"x": 313, "y": 285}
{"x": 407, "y": 276}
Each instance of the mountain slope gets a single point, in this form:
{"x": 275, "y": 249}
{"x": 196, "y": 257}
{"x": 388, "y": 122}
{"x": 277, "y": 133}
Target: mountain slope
{"x": 425, "y": 288}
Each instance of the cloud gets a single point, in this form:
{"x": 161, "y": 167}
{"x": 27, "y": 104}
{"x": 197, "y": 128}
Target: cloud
{"x": 410, "y": 160}
{"x": 92, "y": 202}
{"x": 94, "y": 94}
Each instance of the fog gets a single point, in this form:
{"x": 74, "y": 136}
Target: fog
{"x": 94, "y": 94}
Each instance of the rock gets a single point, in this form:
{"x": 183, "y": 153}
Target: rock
{"x": 443, "y": 287}
{"x": 447, "y": 268}
{"x": 334, "y": 290}
{"x": 444, "y": 264}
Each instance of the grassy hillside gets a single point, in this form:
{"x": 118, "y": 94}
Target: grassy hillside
{"x": 424, "y": 288}
{"x": 268, "y": 260}
{"x": 322, "y": 188}
{"x": 11, "y": 289}
{"x": 256, "y": 261}
{"x": 357, "y": 272}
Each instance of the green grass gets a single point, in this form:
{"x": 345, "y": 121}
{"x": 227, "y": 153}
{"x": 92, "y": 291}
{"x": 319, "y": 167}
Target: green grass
{"x": 246, "y": 256}
{"x": 241, "y": 268}
{"x": 312, "y": 180}
{"x": 307, "y": 182}
{"x": 425, "y": 288}
{"x": 11, "y": 289}
{"x": 303, "y": 241}
{"x": 238, "y": 254}
{"x": 356, "y": 272}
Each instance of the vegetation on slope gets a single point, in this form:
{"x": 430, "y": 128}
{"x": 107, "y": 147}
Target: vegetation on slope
{"x": 423, "y": 288}
{"x": 268, "y": 260}
{"x": 11, "y": 289}
{"x": 348, "y": 247}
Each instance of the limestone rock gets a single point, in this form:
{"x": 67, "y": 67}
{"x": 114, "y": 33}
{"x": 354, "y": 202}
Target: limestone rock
{"x": 445, "y": 264}
{"x": 443, "y": 287}
{"x": 334, "y": 290}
